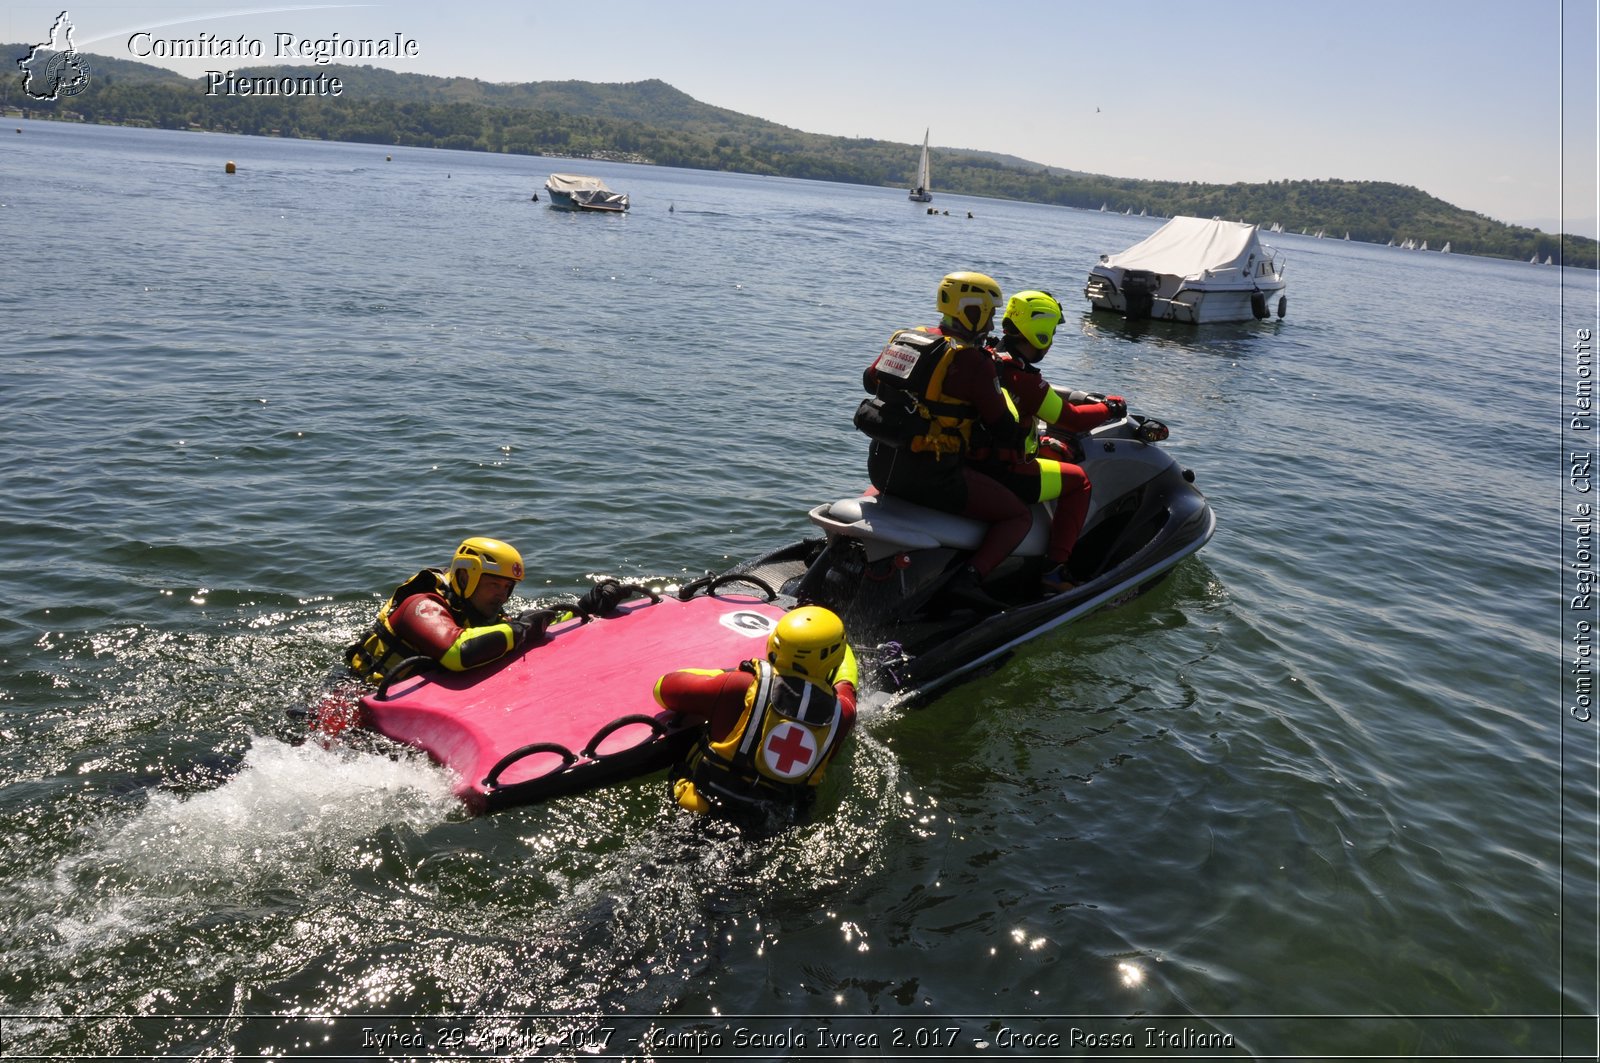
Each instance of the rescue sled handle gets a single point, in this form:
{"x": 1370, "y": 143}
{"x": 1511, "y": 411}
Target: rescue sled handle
{"x": 657, "y": 725}
{"x": 404, "y": 670}
{"x": 711, "y": 584}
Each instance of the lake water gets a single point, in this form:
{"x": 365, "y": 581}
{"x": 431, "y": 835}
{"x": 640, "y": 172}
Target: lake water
{"x": 1320, "y": 794}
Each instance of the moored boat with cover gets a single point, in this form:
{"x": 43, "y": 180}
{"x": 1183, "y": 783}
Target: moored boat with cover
{"x": 575, "y": 192}
{"x": 1194, "y": 271}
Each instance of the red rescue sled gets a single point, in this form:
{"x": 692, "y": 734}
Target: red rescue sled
{"x": 576, "y": 710}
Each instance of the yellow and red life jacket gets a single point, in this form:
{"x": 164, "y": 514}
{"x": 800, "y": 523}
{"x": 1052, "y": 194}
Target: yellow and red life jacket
{"x": 784, "y": 739}
{"x": 382, "y": 650}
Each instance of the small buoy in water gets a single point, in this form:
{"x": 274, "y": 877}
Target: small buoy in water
{"x": 388, "y": 158}
{"x": 228, "y": 168}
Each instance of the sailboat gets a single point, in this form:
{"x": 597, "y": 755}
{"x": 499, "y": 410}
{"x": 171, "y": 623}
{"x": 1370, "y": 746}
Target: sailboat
{"x": 920, "y": 194}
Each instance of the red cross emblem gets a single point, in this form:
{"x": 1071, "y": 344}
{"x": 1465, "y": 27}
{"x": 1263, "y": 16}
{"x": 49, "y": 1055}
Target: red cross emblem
{"x": 789, "y": 751}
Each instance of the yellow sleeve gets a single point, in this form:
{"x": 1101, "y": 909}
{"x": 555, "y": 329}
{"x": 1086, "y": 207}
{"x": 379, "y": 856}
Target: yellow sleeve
{"x": 1052, "y": 406}
{"x": 478, "y": 646}
{"x": 848, "y": 671}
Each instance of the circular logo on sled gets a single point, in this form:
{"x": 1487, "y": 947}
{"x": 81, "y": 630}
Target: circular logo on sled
{"x": 745, "y": 622}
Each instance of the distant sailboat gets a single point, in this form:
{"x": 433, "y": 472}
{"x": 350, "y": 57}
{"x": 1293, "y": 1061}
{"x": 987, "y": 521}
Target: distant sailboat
{"x": 921, "y": 194}
{"x": 1445, "y": 250}
{"x": 1549, "y": 261}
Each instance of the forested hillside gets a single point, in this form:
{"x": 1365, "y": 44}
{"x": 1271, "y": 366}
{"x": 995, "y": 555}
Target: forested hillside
{"x": 651, "y": 122}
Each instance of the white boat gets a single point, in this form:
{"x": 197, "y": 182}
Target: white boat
{"x": 1445, "y": 250}
{"x": 922, "y": 193}
{"x": 1192, "y": 270}
{"x": 571, "y": 192}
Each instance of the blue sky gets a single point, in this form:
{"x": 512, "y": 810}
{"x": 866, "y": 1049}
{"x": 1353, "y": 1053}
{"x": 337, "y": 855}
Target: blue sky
{"x": 1490, "y": 106}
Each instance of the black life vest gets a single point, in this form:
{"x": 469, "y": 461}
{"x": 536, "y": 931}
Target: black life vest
{"x": 911, "y": 369}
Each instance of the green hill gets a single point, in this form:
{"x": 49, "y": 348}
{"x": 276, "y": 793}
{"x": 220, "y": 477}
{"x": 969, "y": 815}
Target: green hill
{"x": 652, "y": 122}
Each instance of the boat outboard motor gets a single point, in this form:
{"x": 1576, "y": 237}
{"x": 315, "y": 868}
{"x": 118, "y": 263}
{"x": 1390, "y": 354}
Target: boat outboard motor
{"x": 1139, "y": 287}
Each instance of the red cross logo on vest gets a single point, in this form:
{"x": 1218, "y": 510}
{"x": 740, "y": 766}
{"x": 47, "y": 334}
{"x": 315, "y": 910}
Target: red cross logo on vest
{"x": 789, "y": 750}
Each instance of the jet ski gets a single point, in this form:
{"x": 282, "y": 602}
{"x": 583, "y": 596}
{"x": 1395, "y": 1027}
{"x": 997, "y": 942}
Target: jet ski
{"x": 886, "y": 565}
{"x": 578, "y": 711}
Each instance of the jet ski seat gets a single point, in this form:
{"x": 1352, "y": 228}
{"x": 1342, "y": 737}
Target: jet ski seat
{"x": 888, "y": 525}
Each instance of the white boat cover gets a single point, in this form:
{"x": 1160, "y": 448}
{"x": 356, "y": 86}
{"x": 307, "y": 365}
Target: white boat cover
{"x": 1187, "y": 247}
{"x": 588, "y": 190}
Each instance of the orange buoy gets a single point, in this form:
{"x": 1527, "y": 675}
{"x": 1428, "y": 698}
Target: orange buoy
{"x": 228, "y": 168}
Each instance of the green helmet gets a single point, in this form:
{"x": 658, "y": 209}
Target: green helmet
{"x": 1033, "y": 315}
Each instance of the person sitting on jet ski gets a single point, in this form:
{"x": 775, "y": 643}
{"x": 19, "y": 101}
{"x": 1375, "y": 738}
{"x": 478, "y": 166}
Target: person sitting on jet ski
{"x": 772, "y": 725}
{"x": 1045, "y": 469}
{"x": 950, "y": 376}
{"x": 456, "y": 619}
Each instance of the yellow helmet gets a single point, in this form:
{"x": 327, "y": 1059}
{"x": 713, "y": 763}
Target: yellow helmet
{"x": 478, "y": 555}
{"x": 809, "y": 642}
{"x": 1034, "y": 316}
{"x": 969, "y": 300}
